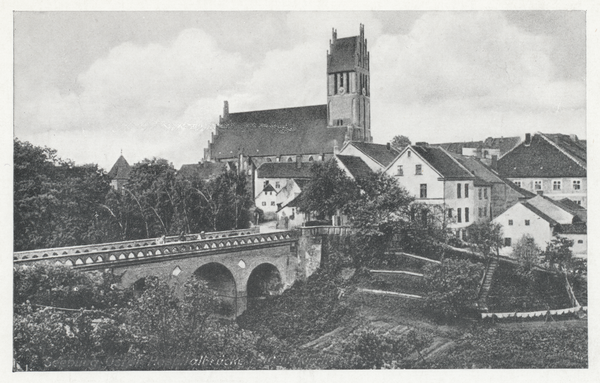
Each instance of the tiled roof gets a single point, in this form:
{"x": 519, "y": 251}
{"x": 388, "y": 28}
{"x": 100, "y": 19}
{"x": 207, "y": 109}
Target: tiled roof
{"x": 203, "y": 170}
{"x": 503, "y": 143}
{"x": 571, "y": 145}
{"x": 120, "y": 169}
{"x": 544, "y": 159}
{"x": 378, "y": 152}
{"x": 342, "y": 54}
{"x": 483, "y": 175}
{"x": 574, "y": 228}
{"x": 284, "y": 170}
{"x": 355, "y": 165}
{"x": 443, "y": 162}
{"x": 277, "y": 132}
{"x": 540, "y": 213}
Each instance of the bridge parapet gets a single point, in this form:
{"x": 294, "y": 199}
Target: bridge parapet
{"x": 102, "y": 254}
{"x": 124, "y": 245}
{"x": 325, "y": 230}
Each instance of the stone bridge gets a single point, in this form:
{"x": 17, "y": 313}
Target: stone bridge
{"x": 239, "y": 265}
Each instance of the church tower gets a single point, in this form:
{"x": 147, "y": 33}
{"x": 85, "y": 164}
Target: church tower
{"x": 348, "y": 85}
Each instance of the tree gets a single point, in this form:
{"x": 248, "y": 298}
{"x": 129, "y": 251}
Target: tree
{"x": 56, "y": 203}
{"x": 380, "y": 211}
{"x": 400, "y": 142}
{"x": 559, "y": 256}
{"x": 527, "y": 253}
{"x": 453, "y": 287}
{"x": 328, "y": 190}
{"x": 486, "y": 238}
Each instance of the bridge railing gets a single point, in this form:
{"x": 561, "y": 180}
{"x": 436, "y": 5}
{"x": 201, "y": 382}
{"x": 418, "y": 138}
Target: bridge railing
{"x": 325, "y": 230}
{"x": 125, "y": 246}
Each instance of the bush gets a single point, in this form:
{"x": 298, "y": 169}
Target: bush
{"x": 452, "y": 288}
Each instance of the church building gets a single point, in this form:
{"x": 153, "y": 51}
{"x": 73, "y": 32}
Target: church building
{"x": 308, "y": 133}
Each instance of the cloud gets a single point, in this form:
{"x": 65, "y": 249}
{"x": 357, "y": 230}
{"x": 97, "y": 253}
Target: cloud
{"x": 465, "y": 72}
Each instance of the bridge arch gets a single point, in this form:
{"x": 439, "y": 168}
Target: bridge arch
{"x": 264, "y": 280}
{"x": 222, "y": 282}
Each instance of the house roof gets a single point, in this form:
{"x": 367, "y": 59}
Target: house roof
{"x": 574, "y": 228}
{"x": 540, "y": 213}
{"x": 547, "y": 156}
{"x": 342, "y": 54}
{"x": 120, "y": 169}
{"x": 284, "y": 170}
{"x": 292, "y": 202}
{"x": 268, "y": 188}
{"x": 504, "y": 144}
{"x": 442, "y": 161}
{"x": 203, "y": 170}
{"x": 377, "y": 152}
{"x": 275, "y": 132}
{"x": 355, "y": 165}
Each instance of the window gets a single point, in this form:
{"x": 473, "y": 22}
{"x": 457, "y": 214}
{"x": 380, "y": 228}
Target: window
{"x": 480, "y": 212}
{"x": 556, "y": 185}
{"x": 527, "y": 222}
{"x": 400, "y": 171}
{"x": 484, "y": 212}
{"x": 466, "y": 190}
{"x": 458, "y": 191}
{"x": 578, "y": 202}
{"x": 484, "y": 193}
{"x": 418, "y": 170}
{"x": 580, "y": 241}
{"x": 277, "y": 185}
{"x": 423, "y": 193}
{"x": 576, "y": 184}
{"x": 507, "y": 242}
{"x": 518, "y": 183}
{"x": 480, "y": 192}
{"x": 408, "y": 153}
{"x": 466, "y": 214}
{"x": 458, "y": 217}
{"x": 537, "y": 185}
{"x": 449, "y": 213}
{"x": 272, "y": 203}
{"x": 510, "y": 222}
{"x": 264, "y": 203}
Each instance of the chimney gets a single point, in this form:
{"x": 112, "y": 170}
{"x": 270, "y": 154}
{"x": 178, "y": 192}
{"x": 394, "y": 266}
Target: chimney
{"x": 298, "y": 161}
{"x": 527, "y": 139}
{"x": 388, "y": 146}
{"x": 494, "y": 164}
{"x": 225, "y": 111}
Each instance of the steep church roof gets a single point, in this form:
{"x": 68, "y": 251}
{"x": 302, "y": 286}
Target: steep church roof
{"x": 120, "y": 169}
{"x": 301, "y": 130}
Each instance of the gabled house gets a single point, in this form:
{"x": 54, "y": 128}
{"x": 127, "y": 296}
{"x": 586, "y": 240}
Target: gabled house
{"x": 205, "y": 170}
{"x": 375, "y": 156}
{"x": 434, "y": 176}
{"x": 543, "y": 218}
{"x": 504, "y": 193}
{"x": 552, "y": 164}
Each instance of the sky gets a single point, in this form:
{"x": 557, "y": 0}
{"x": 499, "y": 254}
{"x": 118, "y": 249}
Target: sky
{"x": 152, "y": 84}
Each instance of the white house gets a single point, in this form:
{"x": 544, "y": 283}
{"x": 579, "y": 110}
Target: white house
{"x": 542, "y": 218}
{"x": 434, "y": 176}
